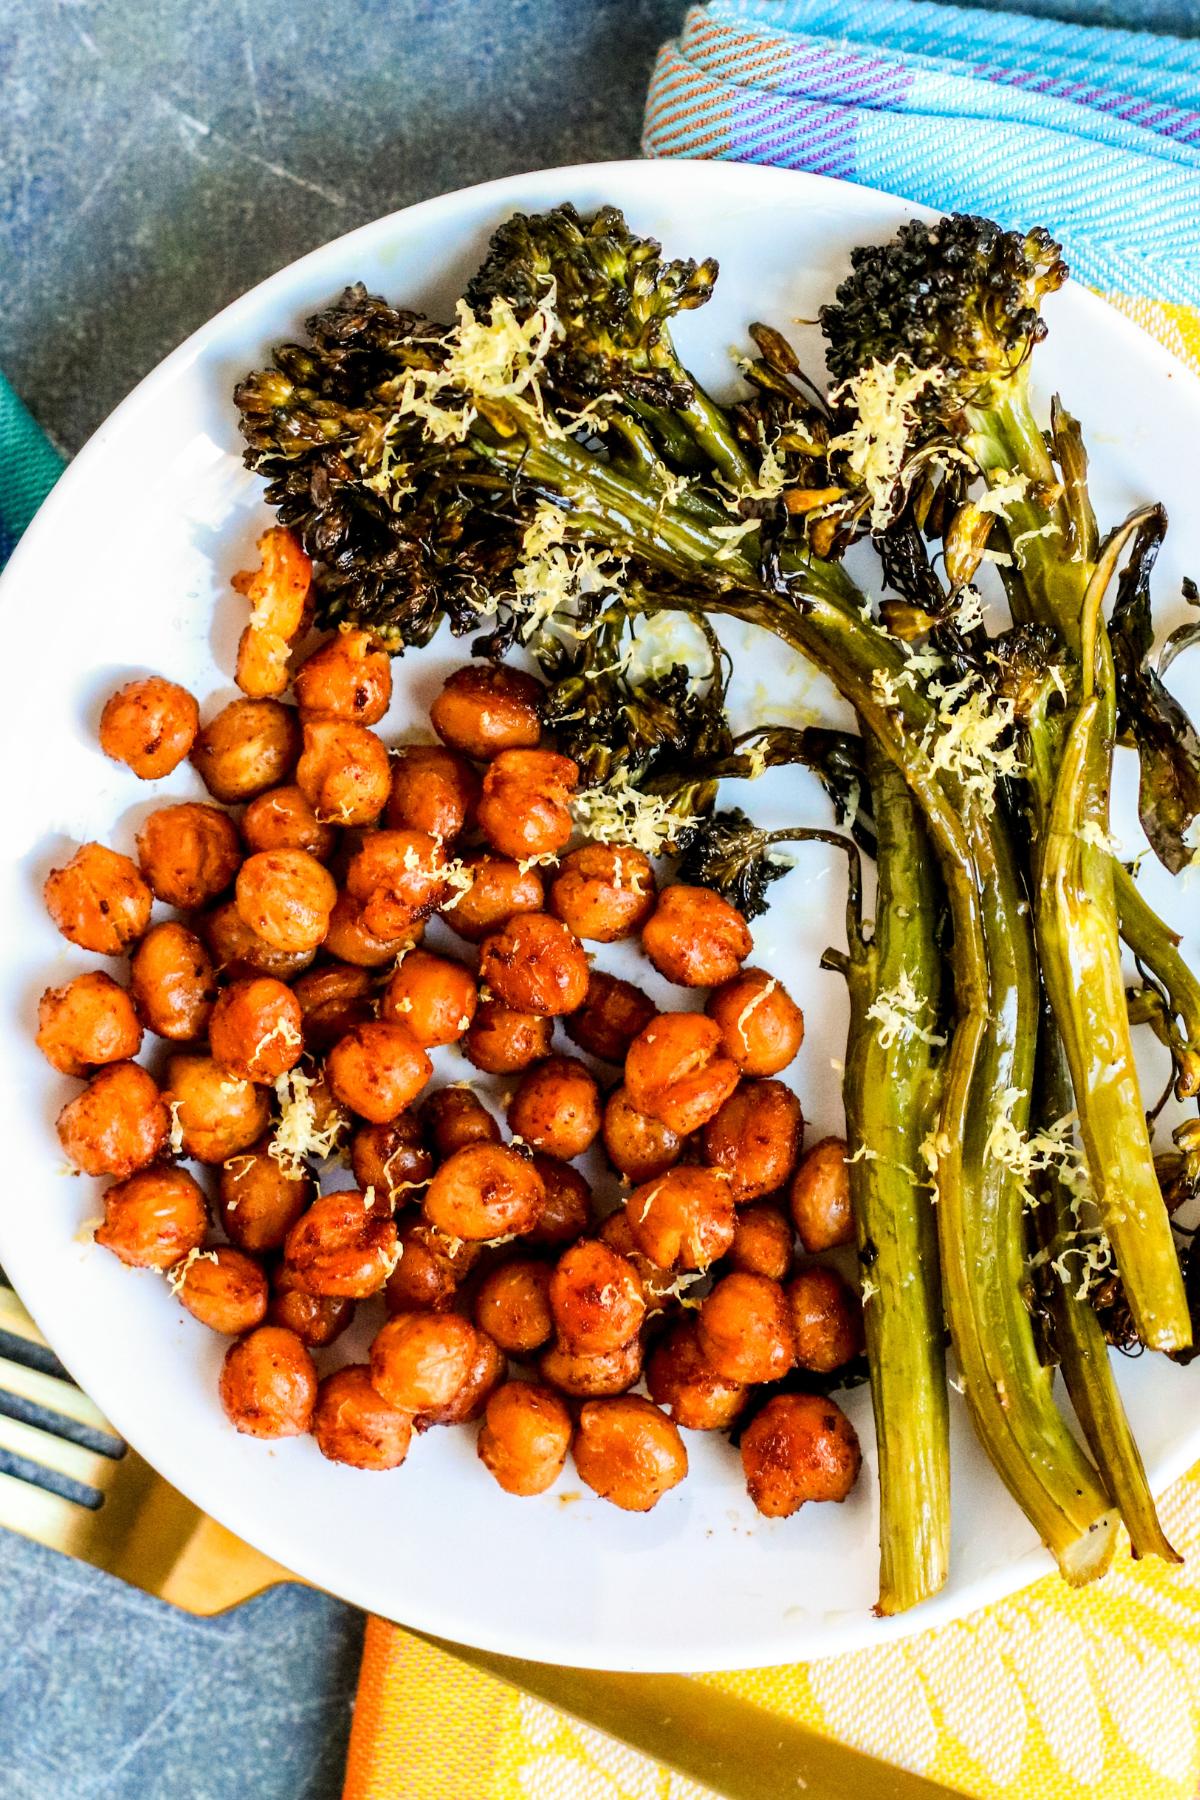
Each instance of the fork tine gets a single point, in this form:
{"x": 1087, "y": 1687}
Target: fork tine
{"x": 47, "y": 1518}
{"x": 17, "y": 1322}
{"x": 59, "y": 1454}
{"x": 51, "y": 1392}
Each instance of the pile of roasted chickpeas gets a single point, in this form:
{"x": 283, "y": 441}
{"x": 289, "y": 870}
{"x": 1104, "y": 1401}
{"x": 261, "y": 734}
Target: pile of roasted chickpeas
{"x": 298, "y": 1008}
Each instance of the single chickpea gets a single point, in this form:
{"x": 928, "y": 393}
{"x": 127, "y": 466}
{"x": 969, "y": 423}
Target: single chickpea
{"x": 683, "y": 1219}
{"x": 278, "y": 592}
{"x": 684, "y": 1383}
{"x": 745, "y": 1329}
{"x": 455, "y": 1117}
{"x": 604, "y": 892}
{"x": 556, "y": 1108}
{"x": 343, "y": 771}
{"x": 612, "y": 1015}
{"x": 567, "y": 1211}
{"x": 341, "y": 1248}
{"x": 488, "y": 1369}
{"x": 377, "y": 1069}
{"x": 762, "y": 1028}
{"x": 349, "y": 677}
{"x": 596, "y": 1298}
{"x": 525, "y": 1437}
{"x": 98, "y": 900}
{"x": 347, "y": 937}
{"x": 512, "y": 1304}
{"x": 431, "y": 1266}
{"x": 282, "y": 819}
{"x": 269, "y": 1384}
{"x": 259, "y": 1200}
{"x": 150, "y": 725}
{"x": 333, "y": 1000}
{"x": 237, "y": 950}
{"x": 397, "y": 877}
{"x": 485, "y": 1191}
{"x": 433, "y": 790}
{"x": 420, "y": 1360}
{"x": 591, "y": 1377}
{"x": 755, "y": 1138}
{"x": 639, "y": 1146}
{"x": 250, "y": 746}
{"x": 676, "y": 1071}
{"x": 483, "y": 710}
{"x": 657, "y": 1286}
{"x": 216, "y": 1115}
{"x": 286, "y": 897}
{"x": 696, "y": 938}
{"x": 628, "y": 1452}
{"x": 173, "y": 982}
{"x": 503, "y": 1042}
{"x": 827, "y": 1322}
{"x": 392, "y": 1159}
{"x": 189, "y": 853}
{"x": 353, "y": 1425}
{"x": 534, "y": 964}
{"x": 223, "y": 1288}
{"x": 254, "y": 1031}
{"x": 435, "y": 997}
{"x": 820, "y": 1198}
{"x": 317, "y": 1319}
{"x": 118, "y": 1124}
{"x": 525, "y": 807}
{"x": 799, "y": 1447}
{"x": 89, "y": 1021}
{"x": 762, "y": 1241}
{"x": 153, "y": 1218}
{"x": 499, "y": 890}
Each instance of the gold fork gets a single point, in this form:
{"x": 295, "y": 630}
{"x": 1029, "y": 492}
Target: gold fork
{"x": 147, "y": 1534}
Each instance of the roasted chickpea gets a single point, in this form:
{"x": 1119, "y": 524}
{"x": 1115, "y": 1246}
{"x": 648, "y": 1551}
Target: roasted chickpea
{"x": 89, "y": 1021}
{"x": 347, "y": 937}
{"x": 455, "y": 1117}
{"x": 820, "y": 1197}
{"x": 433, "y": 790}
{"x": 567, "y": 1209}
{"x": 343, "y": 771}
{"x": 799, "y": 1447}
{"x": 391, "y": 1159}
{"x": 259, "y": 1200}
{"x": 604, "y": 892}
{"x": 435, "y": 997}
{"x": 534, "y": 964}
{"x": 499, "y": 890}
{"x": 98, "y": 900}
{"x": 827, "y": 1321}
{"x": 755, "y": 1138}
{"x": 173, "y": 982}
{"x": 250, "y": 746}
{"x": 483, "y": 710}
{"x": 353, "y": 1425}
{"x": 431, "y": 1266}
{"x": 278, "y": 594}
{"x": 762, "y": 1241}
{"x": 588, "y": 1377}
{"x": 617, "y": 1233}
{"x": 503, "y": 1042}
{"x": 269, "y": 1384}
{"x": 316, "y": 1319}
{"x": 695, "y": 937}
{"x": 397, "y": 877}
{"x": 525, "y": 806}
{"x": 153, "y": 1218}
{"x": 684, "y": 1383}
{"x": 286, "y": 897}
{"x": 254, "y": 1030}
{"x": 237, "y": 950}
{"x": 762, "y": 1028}
{"x": 349, "y": 677}
{"x": 189, "y": 853}
{"x": 556, "y": 1108}
{"x": 745, "y": 1329}
{"x": 333, "y": 1000}
{"x": 612, "y": 1014}
{"x": 376, "y": 1069}
{"x": 512, "y": 1304}
{"x": 341, "y": 1247}
{"x": 282, "y": 819}
{"x": 638, "y": 1145}
{"x": 150, "y": 725}
{"x": 683, "y": 1219}
{"x": 119, "y": 1122}
{"x": 224, "y": 1288}
{"x": 628, "y": 1452}
{"x": 217, "y": 1114}
{"x": 420, "y": 1360}
{"x": 488, "y": 1369}
{"x": 596, "y": 1298}
{"x": 676, "y": 1072}
{"x": 485, "y": 1191}
{"x": 525, "y": 1437}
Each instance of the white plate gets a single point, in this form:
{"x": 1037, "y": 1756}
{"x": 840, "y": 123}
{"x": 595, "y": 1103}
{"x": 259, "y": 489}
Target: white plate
{"x": 126, "y": 569}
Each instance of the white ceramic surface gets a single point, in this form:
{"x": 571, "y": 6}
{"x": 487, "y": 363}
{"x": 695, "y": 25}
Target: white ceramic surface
{"x": 126, "y": 570}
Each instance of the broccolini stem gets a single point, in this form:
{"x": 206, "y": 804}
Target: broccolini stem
{"x": 1157, "y": 949}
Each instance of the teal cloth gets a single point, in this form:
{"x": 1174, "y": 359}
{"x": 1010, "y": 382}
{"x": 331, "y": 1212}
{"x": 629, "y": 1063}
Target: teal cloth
{"x": 29, "y": 468}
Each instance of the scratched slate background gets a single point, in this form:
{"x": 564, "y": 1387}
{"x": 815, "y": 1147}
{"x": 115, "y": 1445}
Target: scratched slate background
{"x": 157, "y": 158}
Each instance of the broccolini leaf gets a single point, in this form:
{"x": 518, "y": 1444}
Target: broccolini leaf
{"x": 731, "y": 854}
